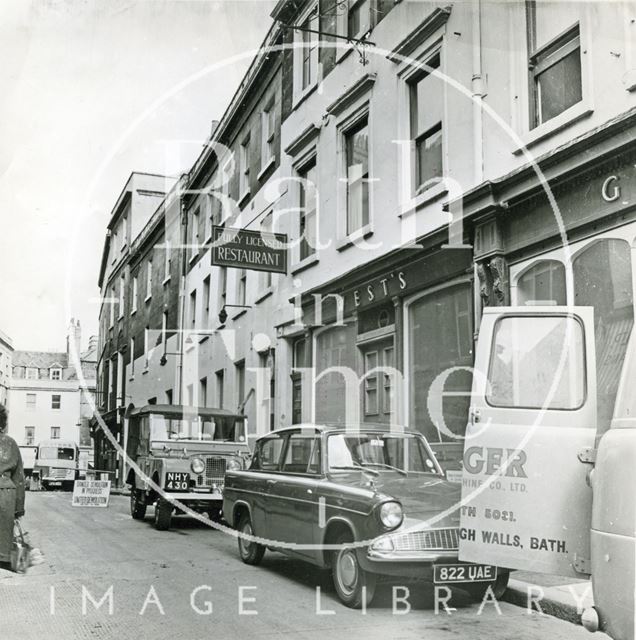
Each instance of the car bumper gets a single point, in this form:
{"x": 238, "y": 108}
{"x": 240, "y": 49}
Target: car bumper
{"x": 194, "y": 496}
{"x": 416, "y": 565}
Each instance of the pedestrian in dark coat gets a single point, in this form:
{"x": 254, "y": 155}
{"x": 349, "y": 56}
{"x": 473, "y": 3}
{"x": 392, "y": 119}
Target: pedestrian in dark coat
{"x": 11, "y": 488}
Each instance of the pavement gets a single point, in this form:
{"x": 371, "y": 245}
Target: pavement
{"x": 189, "y": 583}
{"x": 562, "y": 597}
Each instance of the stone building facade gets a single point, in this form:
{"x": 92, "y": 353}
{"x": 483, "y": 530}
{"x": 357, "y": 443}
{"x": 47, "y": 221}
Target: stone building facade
{"x": 50, "y": 395}
{"x": 136, "y": 291}
{"x": 474, "y": 154}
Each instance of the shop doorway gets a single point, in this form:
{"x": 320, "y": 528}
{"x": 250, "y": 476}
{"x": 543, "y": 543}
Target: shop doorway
{"x": 378, "y": 394}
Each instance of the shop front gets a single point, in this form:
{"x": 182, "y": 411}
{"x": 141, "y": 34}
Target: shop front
{"x": 391, "y": 343}
{"x": 578, "y": 249}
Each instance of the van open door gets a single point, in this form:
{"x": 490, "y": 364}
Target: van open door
{"x": 526, "y": 502}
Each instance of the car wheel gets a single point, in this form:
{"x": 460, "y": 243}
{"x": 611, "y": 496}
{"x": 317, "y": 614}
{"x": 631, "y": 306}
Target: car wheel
{"x": 477, "y": 590}
{"x": 500, "y": 585}
{"x": 163, "y": 515}
{"x": 251, "y": 552}
{"x": 215, "y": 514}
{"x": 137, "y": 504}
{"x": 355, "y": 586}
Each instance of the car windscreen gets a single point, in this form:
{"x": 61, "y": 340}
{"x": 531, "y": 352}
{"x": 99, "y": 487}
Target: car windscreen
{"x": 205, "y": 429}
{"x": 379, "y": 452}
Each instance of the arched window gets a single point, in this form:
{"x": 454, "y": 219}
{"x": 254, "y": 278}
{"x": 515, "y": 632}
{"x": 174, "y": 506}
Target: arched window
{"x": 603, "y": 280}
{"x": 542, "y": 283}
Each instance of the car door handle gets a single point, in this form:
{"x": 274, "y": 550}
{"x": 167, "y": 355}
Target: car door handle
{"x": 272, "y": 481}
{"x": 309, "y": 491}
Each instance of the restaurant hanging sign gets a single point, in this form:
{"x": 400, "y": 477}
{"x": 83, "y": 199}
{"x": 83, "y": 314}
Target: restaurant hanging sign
{"x": 255, "y": 250}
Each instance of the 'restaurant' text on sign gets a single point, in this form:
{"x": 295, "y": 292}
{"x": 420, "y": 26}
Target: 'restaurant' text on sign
{"x": 243, "y": 249}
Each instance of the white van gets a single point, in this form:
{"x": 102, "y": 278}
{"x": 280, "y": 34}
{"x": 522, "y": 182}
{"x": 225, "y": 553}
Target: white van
{"x": 57, "y": 463}
{"x": 545, "y": 486}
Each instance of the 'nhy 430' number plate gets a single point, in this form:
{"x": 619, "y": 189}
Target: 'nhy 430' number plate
{"x": 464, "y": 573}
{"x": 177, "y": 481}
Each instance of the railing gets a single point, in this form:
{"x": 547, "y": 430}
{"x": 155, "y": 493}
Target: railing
{"x": 101, "y": 474}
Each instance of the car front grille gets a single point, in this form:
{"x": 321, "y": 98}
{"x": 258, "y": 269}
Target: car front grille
{"x": 430, "y": 540}
{"x": 214, "y": 472}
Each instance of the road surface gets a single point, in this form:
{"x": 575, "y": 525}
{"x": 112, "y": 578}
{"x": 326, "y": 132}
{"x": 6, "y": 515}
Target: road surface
{"x": 188, "y": 583}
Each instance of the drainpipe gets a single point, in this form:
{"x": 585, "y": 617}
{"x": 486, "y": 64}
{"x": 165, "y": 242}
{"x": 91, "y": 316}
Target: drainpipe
{"x": 477, "y": 87}
{"x": 183, "y": 223}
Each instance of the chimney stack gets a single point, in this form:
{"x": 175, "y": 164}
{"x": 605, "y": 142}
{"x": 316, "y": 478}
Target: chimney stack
{"x": 74, "y": 337}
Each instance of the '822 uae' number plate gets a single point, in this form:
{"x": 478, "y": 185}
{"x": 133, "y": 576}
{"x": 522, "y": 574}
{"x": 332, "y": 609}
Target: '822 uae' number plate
{"x": 445, "y": 573}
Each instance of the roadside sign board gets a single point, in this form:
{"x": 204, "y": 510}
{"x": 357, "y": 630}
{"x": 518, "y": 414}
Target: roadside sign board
{"x": 91, "y": 493}
{"x": 254, "y": 250}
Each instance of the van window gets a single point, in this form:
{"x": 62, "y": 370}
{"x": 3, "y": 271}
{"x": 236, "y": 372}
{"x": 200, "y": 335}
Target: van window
{"x": 57, "y": 453}
{"x": 537, "y": 362}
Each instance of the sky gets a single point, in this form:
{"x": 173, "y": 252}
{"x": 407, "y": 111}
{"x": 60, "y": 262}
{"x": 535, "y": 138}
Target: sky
{"x": 91, "y": 90}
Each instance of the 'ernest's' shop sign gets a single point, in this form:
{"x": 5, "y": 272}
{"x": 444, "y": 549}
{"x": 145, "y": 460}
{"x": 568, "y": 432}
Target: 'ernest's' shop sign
{"x": 255, "y": 250}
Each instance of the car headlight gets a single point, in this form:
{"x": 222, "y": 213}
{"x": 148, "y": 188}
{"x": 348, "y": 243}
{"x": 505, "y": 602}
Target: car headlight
{"x": 391, "y": 514}
{"x": 233, "y": 464}
{"x": 197, "y": 465}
